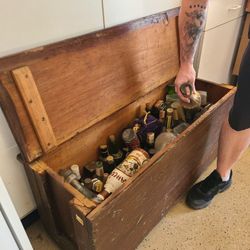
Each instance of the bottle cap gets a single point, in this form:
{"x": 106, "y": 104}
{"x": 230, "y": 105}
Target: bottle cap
{"x": 103, "y": 147}
{"x": 92, "y": 166}
{"x": 150, "y": 137}
{"x": 97, "y": 185}
{"x": 110, "y": 159}
{"x": 99, "y": 164}
{"x": 137, "y": 127}
{"x": 151, "y": 151}
{"x": 76, "y": 170}
{"x": 112, "y": 138}
{"x": 170, "y": 111}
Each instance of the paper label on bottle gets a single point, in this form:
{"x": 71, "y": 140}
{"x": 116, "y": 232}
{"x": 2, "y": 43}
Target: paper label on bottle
{"x": 132, "y": 163}
{"x": 115, "y": 180}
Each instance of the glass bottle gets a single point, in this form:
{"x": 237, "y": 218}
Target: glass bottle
{"x": 169, "y": 124}
{"x": 99, "y": 170}
{"x": 114, "y": 149}
{"x": 110, "y": 164}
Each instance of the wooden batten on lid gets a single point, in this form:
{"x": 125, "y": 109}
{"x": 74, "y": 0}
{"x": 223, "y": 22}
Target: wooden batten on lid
{"x": 60, "y": 90}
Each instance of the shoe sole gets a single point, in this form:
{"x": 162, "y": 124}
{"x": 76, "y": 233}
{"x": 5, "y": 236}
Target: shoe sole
{"x": 197, "y": 207}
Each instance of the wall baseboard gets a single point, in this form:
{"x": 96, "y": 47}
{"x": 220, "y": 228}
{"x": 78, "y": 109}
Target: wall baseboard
{"x": 30, "y": 218}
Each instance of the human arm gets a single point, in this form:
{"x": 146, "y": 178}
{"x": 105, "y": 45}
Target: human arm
{"x": 191, "y": 23}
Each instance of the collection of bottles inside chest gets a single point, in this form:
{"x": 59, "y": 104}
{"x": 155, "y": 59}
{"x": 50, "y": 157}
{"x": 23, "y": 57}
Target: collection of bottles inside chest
{"x": 161, "y": 123}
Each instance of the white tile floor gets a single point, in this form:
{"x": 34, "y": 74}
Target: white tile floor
{"x": 224, "y": 225}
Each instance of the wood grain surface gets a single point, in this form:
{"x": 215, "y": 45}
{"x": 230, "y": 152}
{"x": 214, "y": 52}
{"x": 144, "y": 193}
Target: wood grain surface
{"x": 18, "y": 119}
{"x": 34, "y": 104}
{"x": 123, "y": 221}
{"x": 86, "y": 79}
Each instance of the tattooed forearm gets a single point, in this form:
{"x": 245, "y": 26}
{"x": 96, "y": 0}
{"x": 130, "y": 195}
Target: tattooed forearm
{"x": 191, "y": 25}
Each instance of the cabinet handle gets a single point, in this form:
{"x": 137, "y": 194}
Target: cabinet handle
{"x": 236, "y": 7}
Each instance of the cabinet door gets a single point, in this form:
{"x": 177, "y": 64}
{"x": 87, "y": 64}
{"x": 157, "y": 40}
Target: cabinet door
{"x": 218, "y": 50}
{"x": 7, "y": 240}
{"x": 120, "y": 11}
{"x": 12, "y": 234}
{"x": 222, "y": 11}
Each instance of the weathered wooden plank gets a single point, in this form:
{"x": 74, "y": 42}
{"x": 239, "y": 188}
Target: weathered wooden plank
{"x": 81, "y": 226}
{"x": 38, "y": 178}
{"x": 64, "y": 185}
{"x": 18, "y": 119}
{"x": 34, "y": 104}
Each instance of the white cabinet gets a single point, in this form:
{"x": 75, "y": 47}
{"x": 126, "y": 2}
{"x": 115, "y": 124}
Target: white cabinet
{"x": 12, "y": 234}
{"x": 120, "y": 11}
{"x": 16, "y": 181}
{"x": 222, "y": 11}
{"x": 218, "y": 50}
{"x": 220, "y": 40}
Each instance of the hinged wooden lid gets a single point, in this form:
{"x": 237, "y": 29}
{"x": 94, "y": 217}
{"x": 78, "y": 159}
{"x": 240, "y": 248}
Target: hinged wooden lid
{"x": 52, "y": 93}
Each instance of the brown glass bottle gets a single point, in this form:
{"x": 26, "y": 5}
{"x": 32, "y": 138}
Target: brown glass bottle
{"x": 156, "y": 108}
{"x": 99, "y": 170}
{"x": 114, "y": 149}
{"x": 103, "y": 152}
{"x": 149, "y": 107}
{"x": 89, "y": 170}
{"x": 169, "y": 125}
{"x": 162, "y": 116}
{"x": 110, "y": 164}
{"x": 150, "y": 140}
{"x": 176, "y": 120}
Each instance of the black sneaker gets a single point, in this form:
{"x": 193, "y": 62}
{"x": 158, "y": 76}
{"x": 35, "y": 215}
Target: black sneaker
{"x": 202, "y": 193}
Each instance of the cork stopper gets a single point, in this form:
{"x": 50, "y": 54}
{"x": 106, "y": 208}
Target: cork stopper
{"x": 103, "y": 147}
{"x": 112, "y": 138}
{"x": 99, "y": 164}
{"x": 170, "y": 111}
{"x": 162, "y": 114}
{"x": 150, "y": 137}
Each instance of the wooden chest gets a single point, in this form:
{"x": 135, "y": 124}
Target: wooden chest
{"x": 63, "y": 100}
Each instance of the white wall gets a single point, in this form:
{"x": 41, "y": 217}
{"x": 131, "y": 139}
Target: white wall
{"x": 120, "y": 11}
{"x": 27, "y": 24}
